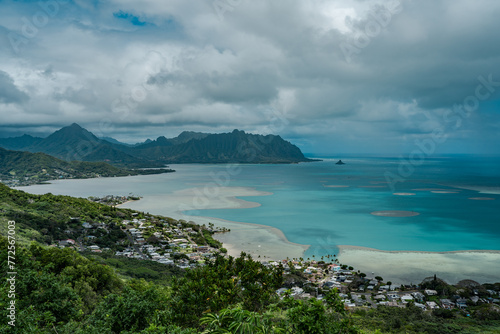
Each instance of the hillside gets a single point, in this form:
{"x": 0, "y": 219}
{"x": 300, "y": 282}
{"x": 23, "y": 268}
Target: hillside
{"x": 23, "y": 168}
{"x": 75, "y": 143}
{"x": 19, "y": 143}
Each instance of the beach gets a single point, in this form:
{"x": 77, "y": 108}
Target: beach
{"x": 412, "y": 267}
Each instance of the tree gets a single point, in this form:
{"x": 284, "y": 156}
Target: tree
{"x": 379, "y": 278}
{"x": 389, "y": 283}
{"x": 223, "y": 282}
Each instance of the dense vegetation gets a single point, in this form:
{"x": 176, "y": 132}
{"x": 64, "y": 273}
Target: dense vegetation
{"x": 59, "y": 290}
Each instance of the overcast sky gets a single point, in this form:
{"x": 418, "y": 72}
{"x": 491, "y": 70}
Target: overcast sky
{"x": 330, "y": 76}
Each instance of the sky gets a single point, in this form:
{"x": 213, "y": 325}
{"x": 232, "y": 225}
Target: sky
{"x": 346, "y": 76}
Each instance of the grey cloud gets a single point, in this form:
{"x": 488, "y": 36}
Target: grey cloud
{"x": 9, "y": 92}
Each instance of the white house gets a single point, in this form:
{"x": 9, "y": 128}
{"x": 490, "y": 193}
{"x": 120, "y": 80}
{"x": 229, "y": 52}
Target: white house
{"x": 430, "y": 292}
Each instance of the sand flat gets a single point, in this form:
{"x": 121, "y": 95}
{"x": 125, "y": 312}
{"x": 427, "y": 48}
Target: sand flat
{"x": 335, "y": 186}
{"x": 257, "y": 240}
{"x": 414, "y": 266}
{"x": 482, "y": 198}
{"x": 395, "y": 213}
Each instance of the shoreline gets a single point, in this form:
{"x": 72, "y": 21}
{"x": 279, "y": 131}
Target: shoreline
{"x": 413, "y": 266}
{"x": 270, "y": 243}
{"x": 352, "y": 247}
{"x": 266, "y": 243}
{"x": 129, "y": 201}
{"x": 261, "y": 241}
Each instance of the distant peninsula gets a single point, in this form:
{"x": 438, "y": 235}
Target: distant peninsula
{"x": 76, "y": 143}
{"x": 25, "y": 168}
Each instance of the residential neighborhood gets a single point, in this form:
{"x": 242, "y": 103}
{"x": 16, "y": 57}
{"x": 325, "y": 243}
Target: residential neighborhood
{"x": 166, "y": 241}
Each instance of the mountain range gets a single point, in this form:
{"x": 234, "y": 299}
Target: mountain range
{"x": 73, "y": 142}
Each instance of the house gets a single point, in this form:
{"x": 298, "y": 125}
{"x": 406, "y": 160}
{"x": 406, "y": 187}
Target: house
{"x": 86, "y": 225}
{"x": 334, "y": 267}
{"x": 296, "y": 291}
{"x": 418, "y": 296}
{"x": 461, "y": 303}
{"x": 182, "y": 241}
{"x": 281, "y": 291}
{"x": 93, "y": 247}
{"x": 349, "y": 304}
{"x": 447, "y": 304}
{"x": 406, "y": 298}
{"x": 430, "y": 292}
{"x": 393, "y": 296}
{"x": 422, "y": 306}
{"x": 166, "y": 261}
{"x": 67, "y": 242}
{"x": 432, "y": 305}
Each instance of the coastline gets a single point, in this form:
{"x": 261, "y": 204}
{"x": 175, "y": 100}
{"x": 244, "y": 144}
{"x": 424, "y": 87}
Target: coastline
{"x": 128, "y": 201}
{"x": 413, "y": 266}
{"x": 263, "y": 242}
{"x": 266, "y": 243}
{"x": 398, "y": 266}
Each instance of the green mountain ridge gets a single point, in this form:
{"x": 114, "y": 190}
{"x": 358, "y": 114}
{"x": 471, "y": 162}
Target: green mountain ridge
{"x": 76, "y": 143}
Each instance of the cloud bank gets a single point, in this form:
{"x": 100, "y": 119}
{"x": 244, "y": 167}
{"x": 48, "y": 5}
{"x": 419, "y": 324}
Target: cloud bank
{"x": 331, "y": 76}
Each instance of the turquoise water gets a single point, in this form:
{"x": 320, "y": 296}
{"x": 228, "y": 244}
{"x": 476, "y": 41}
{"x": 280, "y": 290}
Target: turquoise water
{"x": 309, "y": 213}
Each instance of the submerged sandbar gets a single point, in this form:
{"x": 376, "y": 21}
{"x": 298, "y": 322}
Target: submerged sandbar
{"x": 395, "y": 213}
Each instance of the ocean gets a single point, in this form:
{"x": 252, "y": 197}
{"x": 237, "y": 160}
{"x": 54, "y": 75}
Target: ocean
{"x": 452, "y": 203}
